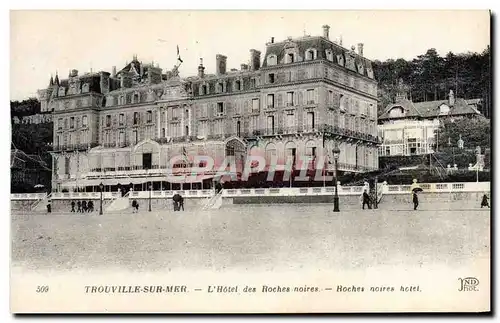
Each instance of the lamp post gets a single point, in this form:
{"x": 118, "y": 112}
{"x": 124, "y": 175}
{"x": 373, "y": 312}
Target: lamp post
{"x": 150, "y": 190}
{"x": 336, "y": 153}
{"x": 101, "y": 186}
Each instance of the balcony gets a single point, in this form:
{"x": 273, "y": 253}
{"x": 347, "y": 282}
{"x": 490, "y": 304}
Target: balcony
{"x": 75, "y": 147}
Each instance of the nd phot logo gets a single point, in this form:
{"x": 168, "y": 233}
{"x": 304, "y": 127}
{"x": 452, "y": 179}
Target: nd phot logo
{"x": 468, "y": 284}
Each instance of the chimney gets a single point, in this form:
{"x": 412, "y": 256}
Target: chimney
{"x": 104, "y": 82}
{"x": 272, "y": 40}
{"x": 113, "y": 72}
{"x": 254, "y": 59}
{"x": 220, "y": 64}
{"x": 451, "y": 98}
{"x": 201, "y": 69}
{"x": 244, "y": 67}
{"x": 360, "y": 49}
{"x": 326, "y": 30}
{"x": 141, "y": 69}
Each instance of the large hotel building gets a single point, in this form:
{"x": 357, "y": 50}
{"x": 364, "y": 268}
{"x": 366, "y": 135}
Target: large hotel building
{"x": 302, "y": 98}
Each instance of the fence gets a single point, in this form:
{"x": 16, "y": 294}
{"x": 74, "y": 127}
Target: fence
{"x": 285, "y": 191}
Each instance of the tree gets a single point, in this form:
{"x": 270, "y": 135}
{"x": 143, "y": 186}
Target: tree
{"x": 474, "y": 132}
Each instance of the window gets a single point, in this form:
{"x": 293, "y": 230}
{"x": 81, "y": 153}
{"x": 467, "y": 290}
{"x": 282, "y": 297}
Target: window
{"x": 136, "y": 117}
{"x": 220, "y": 108}
{"x": 60, "y": 123}
{"x": 204, "y": 90}
{"x": 84, "y": 121}
{"x": 163, "y": 132}
{"x": 254, "y": 123}
{"x": 66, "y": 166}
{"x": 270, "y": 100}
{"x": 290, "y": 58}
{"x": 135, "y": 137}
{"x": 290, "y": 122}
{"x": 271, "y": 60}
{"x": 65, "y": 123}
{"x": 330, "y": 97}
{"x": 108, "y": 121}
{"x": 310, "y": 55}
{"x": 121, "y": 119}
{"x": 136, "y": 98}
{"x": 310, "y": 96}
{"x": 122, "y": 139}
{"x": 270, "y": 78}
{"x": 255, "y": 105}
{"x": 149, "y": 116}
{"x": 310, "y": 121}
{"x": 311, "y": 151}
{"x": 121, "y": 100}
{"x": 238, "y": 128}
{"x": 220, "y": 87}
{"x": 329, "y": 55}
{"x": 270, "y": 125}
{"x": 72, "y": 122}
{"x": 237, "y": 85}
{"x": 186, "y": 131}
{"x": 289, "y": 99}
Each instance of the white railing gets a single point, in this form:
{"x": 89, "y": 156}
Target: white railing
{"x": 284, "y": 191}
{"x": 440, "y": 188}
{"x": 28, "y": 196}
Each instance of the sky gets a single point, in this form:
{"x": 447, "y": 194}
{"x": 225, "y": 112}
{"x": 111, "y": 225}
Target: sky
{"x": 43, "y": 42}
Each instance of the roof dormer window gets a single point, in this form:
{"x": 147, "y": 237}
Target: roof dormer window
{"x": 397, "y": 112}
{"x": 311, "y": 54}
{"x": 329, "y": 55}
{"x": 444, "y": 109}
{"x": 290, "y": 58}
{"x": 272, "y": 60}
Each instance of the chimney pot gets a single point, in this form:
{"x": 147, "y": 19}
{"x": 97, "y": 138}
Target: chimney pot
{"x": 113, "y": 71}
{"x": 360, "y": 49}
{"x": 254, "y": 59}
{"x": 220, "y": 64}
{"x": 272, "y": 40}
{"x": 326, "y": 30}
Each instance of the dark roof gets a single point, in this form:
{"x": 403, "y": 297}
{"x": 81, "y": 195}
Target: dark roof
{"x": 428, "y": 109}
{"x": 321, "y": 45}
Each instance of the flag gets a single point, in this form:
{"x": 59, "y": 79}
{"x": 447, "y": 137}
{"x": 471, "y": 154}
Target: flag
{"x": 179, "y": 55}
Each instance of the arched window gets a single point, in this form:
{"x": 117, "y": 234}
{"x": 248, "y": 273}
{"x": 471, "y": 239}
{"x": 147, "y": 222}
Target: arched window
{"x": 290, "y": 58}
{"x": 136, "y": 98}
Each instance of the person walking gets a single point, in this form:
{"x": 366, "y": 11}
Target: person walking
{"x": 415, "y": 200}
{"x": 181, "y": 204}
{"x": 366, "y": 200}
{"x": 73, "y": 206}
{"x": 79, "y": 206}
{"x": 90, "y": 206}
{"x": 49, "y": 208}
{"x": 484, "y": 202}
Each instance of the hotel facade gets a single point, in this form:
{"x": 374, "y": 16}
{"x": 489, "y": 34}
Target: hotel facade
{"x": 302, "y": 98}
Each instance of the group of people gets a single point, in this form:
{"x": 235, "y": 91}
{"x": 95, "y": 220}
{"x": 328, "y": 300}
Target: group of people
{"x": 82, "y": 206}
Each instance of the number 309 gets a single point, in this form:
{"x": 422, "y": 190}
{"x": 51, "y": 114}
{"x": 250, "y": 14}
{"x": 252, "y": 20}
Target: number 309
{"x": 42, "y": 289}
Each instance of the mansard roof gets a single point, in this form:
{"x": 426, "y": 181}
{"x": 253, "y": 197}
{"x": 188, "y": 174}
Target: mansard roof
{"x": 321, "y": 44}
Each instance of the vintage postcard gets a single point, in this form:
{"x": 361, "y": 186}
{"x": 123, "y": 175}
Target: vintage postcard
{"x": 250, "y": 161}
